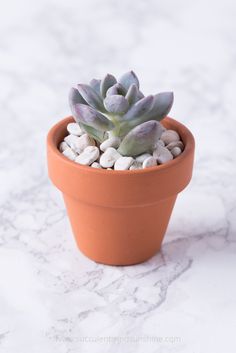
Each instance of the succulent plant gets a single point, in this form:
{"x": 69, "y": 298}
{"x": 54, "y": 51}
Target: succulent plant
{"x": 120, "y": 108}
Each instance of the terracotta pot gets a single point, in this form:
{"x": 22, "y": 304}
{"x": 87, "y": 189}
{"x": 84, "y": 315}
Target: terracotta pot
{"x": 119, "y": 217}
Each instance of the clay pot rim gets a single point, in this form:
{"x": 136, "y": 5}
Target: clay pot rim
{"x": 189, "y": 146}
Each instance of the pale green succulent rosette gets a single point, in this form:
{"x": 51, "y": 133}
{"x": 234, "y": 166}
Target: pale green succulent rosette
{"x": 118, "y": 106}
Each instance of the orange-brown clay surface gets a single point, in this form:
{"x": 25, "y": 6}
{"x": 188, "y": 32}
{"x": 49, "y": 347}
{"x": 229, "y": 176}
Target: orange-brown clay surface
{"x": 119, "y": 217}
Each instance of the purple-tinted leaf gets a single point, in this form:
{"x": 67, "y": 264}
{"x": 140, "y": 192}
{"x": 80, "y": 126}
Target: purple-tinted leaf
{"x": 139, "y": 108}
{"x": 95, "y": 84}
{"x": 161, "y": 105}
{"x": 116, "y": 104}
{"x": 128, "y": 79}
{"x": 75, "y": 98}
{"x": 91, "y": 117}
{"x": 96, "y": 134}
{"x": 140, "y": 95}
{"x": 116, "y": 89}
{"x": 108, "y": 81}
{"x": 91, "y": 97}
{"x": 141, "y": 139}
{"x": 133, "y": 94}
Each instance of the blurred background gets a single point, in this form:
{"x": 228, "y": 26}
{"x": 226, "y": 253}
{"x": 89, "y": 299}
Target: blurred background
{"x": 46, "y": 47}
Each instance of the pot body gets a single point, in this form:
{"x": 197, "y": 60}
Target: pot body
{"x": 119, "y": 236}
{"x": 119, "y": 217}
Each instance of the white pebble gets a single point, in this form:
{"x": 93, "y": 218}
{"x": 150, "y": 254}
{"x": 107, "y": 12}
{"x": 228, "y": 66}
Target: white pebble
{"x": 84, "y": 141}
{"x": 160, "y": 142}
{"x": 63, "y": 146}
{"x": 141, "y": 158}
{"x": 70, "y": 154}
{"x": 176, "y": 151}
{"x": 123, "y": 163}
{"x": 96, "y": 165}
{"x": 109, "y": 157}
{"x": 78, "y": 144}
{"x": 136, "y": 165}
{"x": 162, "y": 154}
{"x": 74, "y": 129}
{"x": 173, "y": 144}
{"x": 169, "y": 136}
{"x": 88, "y": 156}
{"x": 110, "y": 142}
{"x": 149, "y": 162}
{"x": 109, "y": 169}
{"x": 73, "y": 142}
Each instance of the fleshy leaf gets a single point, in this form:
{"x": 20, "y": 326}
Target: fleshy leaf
{"x": 162, "y": 104}
{"x": 96, "y": 134}
{"x": 140, "y": 95}
{"x": 108, "y": 81}
{"x": 139, "y": 108}
{"x": 116, "y": 104}
{"x": 116, "y": 89}
{"x": 160, "y": 107}
{"x": 133, "y": 94}
{"x": 91, "y": 117}
{"x": 95, "y": 84}
{"x": 75, "y": 98}
{"x": 128, "y": 79}
{"x": 141, "y": 139}
{"x": 91, "y": 97}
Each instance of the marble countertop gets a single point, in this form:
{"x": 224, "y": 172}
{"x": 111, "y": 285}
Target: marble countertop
{"x": 52, "y": 298}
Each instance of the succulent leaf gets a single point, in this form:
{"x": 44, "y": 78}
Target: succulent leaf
{"x": 91, "y": 117}
{"x": 95, "y": 84}
{"x": 108, "y": 81}
{"x": 126, "y": 111}
{"x": 141, "y": 139}
{"x": 116, "y": 89}
{"x": 128, "y": 79}
{"x": 96, "y": 134}
{"x": 161, "y": 105}
{"x": 140, "y": 95}
{"x": 75, "y": 98}
{"x": 91, "y": 97}
{"x": 140, "y": 108}
{"x": 116, "y": 104}
{"x": 133, "y": 94}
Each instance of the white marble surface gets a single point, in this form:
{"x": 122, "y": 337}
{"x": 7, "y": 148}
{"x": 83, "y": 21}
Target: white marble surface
{"x": 52, "y": 298}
